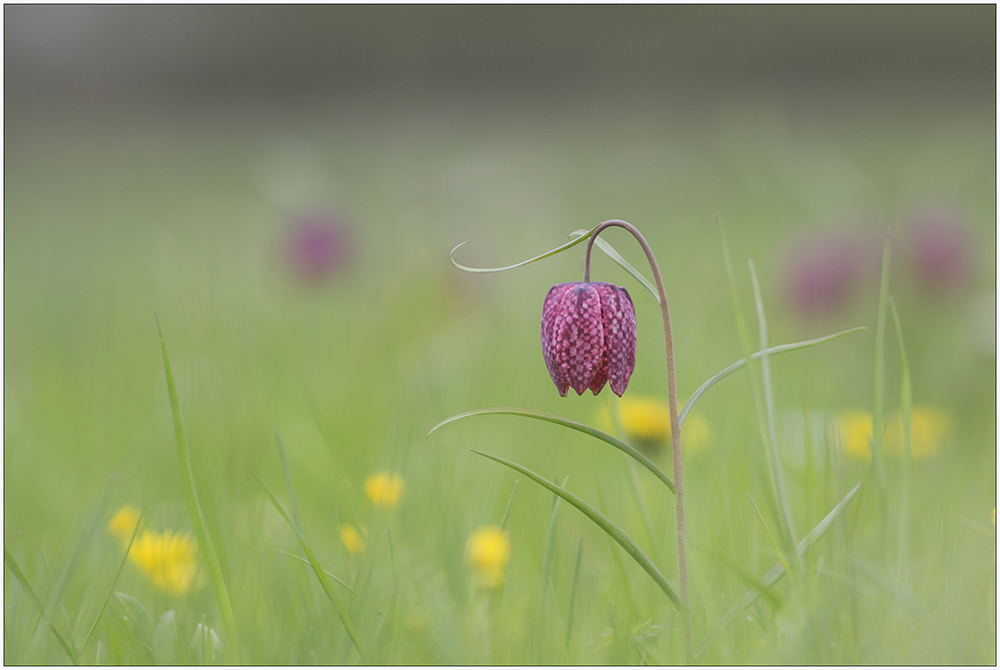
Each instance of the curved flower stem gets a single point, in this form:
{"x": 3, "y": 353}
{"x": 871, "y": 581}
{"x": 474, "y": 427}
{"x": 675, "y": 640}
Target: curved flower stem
{"x": 675, "y": 426}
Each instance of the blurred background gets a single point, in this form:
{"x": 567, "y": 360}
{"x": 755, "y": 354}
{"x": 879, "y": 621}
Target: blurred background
{"x": 282, "y": 186}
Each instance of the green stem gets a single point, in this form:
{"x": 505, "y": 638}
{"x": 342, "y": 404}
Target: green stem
{"x": 675, "y": 426}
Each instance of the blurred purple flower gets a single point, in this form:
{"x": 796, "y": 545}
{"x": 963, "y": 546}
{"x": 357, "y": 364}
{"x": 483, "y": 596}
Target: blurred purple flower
{"x": 822, "y": 271}
{"x": 318, "y": 245}
{"x": 940, "y": 251}
{"x": 588, "y": 336}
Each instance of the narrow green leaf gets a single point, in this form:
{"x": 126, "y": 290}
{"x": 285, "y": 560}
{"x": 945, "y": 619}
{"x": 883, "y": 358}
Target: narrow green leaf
{"x": 780, "y": 349}
{"x": 906, "y": 414}
{"x": 210, "y": 559}
{"x": 878, "y": 414}
{"x": 320, "y": 572}
{"x": 778, "y": 571}
{"x": 593, "y": 432}
{"x": 606, "y": 524}
{"x": 506, "y": 512}
{"x": 548, "y": 561}
{"x": 617, "y": 258}
{"x": 288, "y": 479}
{"x": 555, "y": 251}
{"x": 765, "y": 368}
{"x": 755, "y": 387}
{"x": 114, "y": 582}
{"x": 12, "y": 564}
{"x": 328, "y": 573}
{"x": 70, "y": 566}
{"x": 572, "y": 591}
{"x": 770, "y": 536}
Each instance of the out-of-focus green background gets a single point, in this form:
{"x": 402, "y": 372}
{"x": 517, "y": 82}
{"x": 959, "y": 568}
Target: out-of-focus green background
{"x": 157, "y": 159}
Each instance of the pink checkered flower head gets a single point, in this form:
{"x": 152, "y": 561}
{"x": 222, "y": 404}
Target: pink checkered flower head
{"x": 588, "y": 336}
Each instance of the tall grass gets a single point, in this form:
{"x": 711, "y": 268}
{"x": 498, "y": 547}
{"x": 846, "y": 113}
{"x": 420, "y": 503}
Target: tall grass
{"x": 353, "y": 373}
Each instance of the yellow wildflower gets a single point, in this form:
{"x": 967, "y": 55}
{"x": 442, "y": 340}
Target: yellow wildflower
{"x": 352, "y": 539}
{"x": 856, "y": 433}
{"x": 122, "y": 524}
{"x": 930, "y": 430}
{"x": 648, "y": 420}
{"x": 645, "y": 418}
{"x": 169, "y": 559}
{"x": 487, "y": 552}
{"x": 384, "y": 488}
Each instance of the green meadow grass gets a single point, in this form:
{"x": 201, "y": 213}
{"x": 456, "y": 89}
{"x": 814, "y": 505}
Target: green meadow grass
{"x": 110, "y": 220}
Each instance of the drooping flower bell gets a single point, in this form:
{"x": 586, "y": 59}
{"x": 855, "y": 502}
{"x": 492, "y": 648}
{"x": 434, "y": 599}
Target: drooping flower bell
{"x": 588, "y": 336}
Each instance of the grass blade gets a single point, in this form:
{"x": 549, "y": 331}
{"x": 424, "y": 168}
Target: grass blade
{"x": 606, "y": 524}
{"x": 617, "y": 258}
{"x": 548, "y": 561}
{"x": 288, "y": 479}
{"x": 765, "y": 368}
{"x": 770, "y": 536}
{"x": 593, "y": 432}
{"x": 211, "y": 560}
{"x": 738, "y": 365}
{"x": 572, "y": 592}
{"x": 878, "y": 415}
{"x": 320, "y": 573}
{"x": 111, "y": 591}
{"x": 778, "y": 571}
{"x": 12, "y": 564}
{"x": 506, "y": 512}
{"x": 906, "y": 412}
{"x": 555, "y": 251}
{"x": 755, "y": 387}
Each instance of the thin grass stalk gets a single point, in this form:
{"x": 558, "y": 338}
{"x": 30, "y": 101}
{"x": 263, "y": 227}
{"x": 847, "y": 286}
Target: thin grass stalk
{"x": 211, "y": 560}
{"x": 675, "y": 425}
{"x": 572, "y": 592}
{"x": 548, "y": 562}
{"x": 878, "y": 415}
{"x": 19, "y": 576}
{"x": 114, "y": 582}
{"x": 755, "y": 386}
{"x": 906, "y": 412}
{"x": 765, "y": 367}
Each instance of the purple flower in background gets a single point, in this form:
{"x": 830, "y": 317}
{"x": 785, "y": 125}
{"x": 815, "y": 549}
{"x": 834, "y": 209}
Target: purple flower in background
{"x": 940, "y": 251}
{"x": 318, "y": 245}
{"x": 588, "y": 336}
{"x": 822, "y": 272}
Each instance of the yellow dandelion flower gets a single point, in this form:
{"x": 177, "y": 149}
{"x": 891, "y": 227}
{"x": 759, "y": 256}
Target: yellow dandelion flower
{"x": 487, "y": 552}
{"x": 384, "y": 488}
{"x": 856, "y": 433}
{"x": 648, "y": 420}
{"x": 169, "y": 559}
{"x": 645, "y": 418}
{"x": 352, "y": 539}
{"x": 931, "y": 429}
{"x": 122, "y": 524}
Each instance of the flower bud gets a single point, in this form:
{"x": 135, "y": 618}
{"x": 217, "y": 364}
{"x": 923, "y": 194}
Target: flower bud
{"x": 588, "y": 336}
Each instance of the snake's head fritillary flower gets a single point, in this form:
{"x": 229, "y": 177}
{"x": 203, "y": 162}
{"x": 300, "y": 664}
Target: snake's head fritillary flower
{"x": 588, "y": 336}
{"x": 941, "y": 251}
{"x": 318, "y": 245}
{"x": 487, "y": 552}
{"x": 384, "y": 489}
